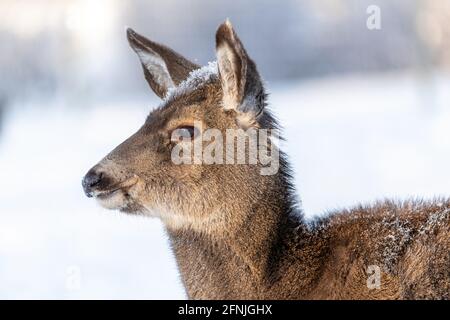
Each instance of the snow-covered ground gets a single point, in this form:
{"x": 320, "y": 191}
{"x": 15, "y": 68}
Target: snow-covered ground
{"x": 349, "y": 139}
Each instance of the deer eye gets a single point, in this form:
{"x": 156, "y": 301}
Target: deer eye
{"x": 184, "y": 133}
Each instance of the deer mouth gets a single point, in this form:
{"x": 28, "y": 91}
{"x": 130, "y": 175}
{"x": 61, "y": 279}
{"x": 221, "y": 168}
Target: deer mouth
{"x": 118, "y": 189}
{"x": 106, "y": 194}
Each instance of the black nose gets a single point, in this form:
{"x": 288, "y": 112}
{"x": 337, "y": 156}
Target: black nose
{"x": 90, "y": 181}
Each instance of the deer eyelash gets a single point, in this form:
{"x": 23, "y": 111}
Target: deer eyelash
{"x": 183, "y": 133}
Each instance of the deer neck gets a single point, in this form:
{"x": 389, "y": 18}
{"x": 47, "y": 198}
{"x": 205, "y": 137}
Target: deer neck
{"x": 247, "y": 259}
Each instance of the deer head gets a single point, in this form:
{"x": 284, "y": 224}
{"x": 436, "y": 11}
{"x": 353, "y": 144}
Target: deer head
{"x": 140, "y": 176}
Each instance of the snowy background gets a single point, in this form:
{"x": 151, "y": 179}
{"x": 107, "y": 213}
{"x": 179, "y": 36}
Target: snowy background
{"x": 366, "y": 116}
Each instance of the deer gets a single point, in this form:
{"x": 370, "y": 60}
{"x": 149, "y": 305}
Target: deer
{"x": 239, "y": 234}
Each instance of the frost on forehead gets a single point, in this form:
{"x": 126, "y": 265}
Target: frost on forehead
{"x": 195, "y": 80}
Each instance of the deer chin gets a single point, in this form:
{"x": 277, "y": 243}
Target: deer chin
{"x": 112, "y": 200}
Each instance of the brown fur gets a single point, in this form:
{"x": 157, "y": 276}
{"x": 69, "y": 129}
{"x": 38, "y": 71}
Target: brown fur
{"x": 239, "y": 235}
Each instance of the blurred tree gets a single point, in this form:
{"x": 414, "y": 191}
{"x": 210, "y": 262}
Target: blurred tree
{"x": 434, "y": 30}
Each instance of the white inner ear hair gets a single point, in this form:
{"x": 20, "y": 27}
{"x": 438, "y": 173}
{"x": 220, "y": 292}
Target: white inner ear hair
{"x": 157, "y": 68}
{"x": 227, "y": 61}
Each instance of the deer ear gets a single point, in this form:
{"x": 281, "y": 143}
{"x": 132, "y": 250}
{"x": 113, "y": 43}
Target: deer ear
{"x": 242, "y": 86}
{"x": 164, "y": 69}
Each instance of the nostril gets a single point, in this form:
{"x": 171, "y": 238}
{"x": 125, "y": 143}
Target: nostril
{"x": 90, "y": 180}
{"x": 95, "y": 179}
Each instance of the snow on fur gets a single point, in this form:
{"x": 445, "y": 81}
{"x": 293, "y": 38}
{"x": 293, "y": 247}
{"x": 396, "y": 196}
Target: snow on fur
{"x": 195, "y": 80}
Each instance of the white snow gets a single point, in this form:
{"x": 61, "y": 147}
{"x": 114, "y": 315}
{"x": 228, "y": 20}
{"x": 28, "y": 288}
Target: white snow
{"x": 349, "y": 140}
{"x": 194, "y": 80}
